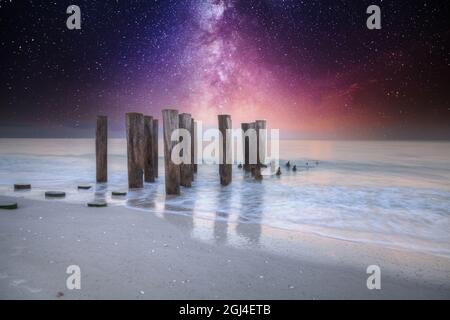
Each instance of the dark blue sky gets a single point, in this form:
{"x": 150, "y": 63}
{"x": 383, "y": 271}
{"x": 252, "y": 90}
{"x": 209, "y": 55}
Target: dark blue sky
{"x": 311, "y": 68}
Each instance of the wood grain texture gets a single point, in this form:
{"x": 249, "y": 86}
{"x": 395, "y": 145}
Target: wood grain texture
{"x": 135, "y": 148}
{"x": 225, "y": 167}
{"x": 155, "y": 147}
{"x": 101, "y": 149}
{"x": 193, "y": 148}
{"x": 245, "y": 146}
{"x": 261, "y": 135}
{"x": 172, "y": 171}
{"x": 149, "y": 175}
{"x": 186, "y": 169}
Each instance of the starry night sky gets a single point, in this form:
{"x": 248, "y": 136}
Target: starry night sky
{"x": 311, "y": 68}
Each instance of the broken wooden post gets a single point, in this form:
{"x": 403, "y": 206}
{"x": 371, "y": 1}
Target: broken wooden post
{"x": 172, "y": 171}
{"x": 186, "y": 169}
{"x": 193, "y": 147}
{"x": 149, "y": 175}
{"x": 135, "y": 143}
{"x": 101, "y": 149}
{"x": 155, "y": 147}
{"x": 245, "y": 145}
{"x": 225, "y": 166}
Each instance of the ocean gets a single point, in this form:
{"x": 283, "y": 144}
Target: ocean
{"x": 393, "y": 193}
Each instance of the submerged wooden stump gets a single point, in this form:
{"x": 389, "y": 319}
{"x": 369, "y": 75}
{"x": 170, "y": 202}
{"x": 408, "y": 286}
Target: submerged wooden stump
{"x": 135, "y": 142}
{"x": 225, "y": 166}
{"x": 8, "y": 205}
{"x": 19, "y": 186}
{"x": 118, "y": 193}
{"x": 101, "y": 149}
{"x": 186, "y": 169}
{"x": 97, "y": 204}
{"x": 149, "y": 168}
{"x": 55, "y": 194}
{"x": 155, "y": 128}
{"x": 172, "y": 170}
{"x": 84, "y": 187}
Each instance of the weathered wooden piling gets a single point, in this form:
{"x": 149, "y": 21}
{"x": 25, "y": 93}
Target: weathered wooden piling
{"x": 149, "y": 175}
{"x": 225, "y": 166}
{"x": 193, "y": 148}
{"x": 155, "y": 147}
{"x": 252, "y": 149}
{"x": 172, "y": 171}
{"x": 101, "y": 149}
{"x": 245, "y": 146}
{"x": 135, "y": 143}
{"x": 261, "y": 138}
{"x": 186, "y": 169}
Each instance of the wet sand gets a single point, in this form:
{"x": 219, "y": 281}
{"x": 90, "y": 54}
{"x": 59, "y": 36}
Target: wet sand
{"x": 131, "y": 254}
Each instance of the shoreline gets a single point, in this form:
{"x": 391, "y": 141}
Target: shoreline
{"x": 126, "y": 254}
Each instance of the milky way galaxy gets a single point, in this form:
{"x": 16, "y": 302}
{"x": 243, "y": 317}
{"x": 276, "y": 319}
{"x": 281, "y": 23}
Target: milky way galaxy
{"x": 311, "y": 68}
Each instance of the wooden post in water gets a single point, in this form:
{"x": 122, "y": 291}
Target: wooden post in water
{"x": 186, "y": 169}
{"x": 135, "y": 143}
{"x": 172, "y": 176}
{"x": 261, "y": 147}
{"x": 101, "y": 149}
{"x": 155, "y": 147}
{"x": 261, "y": 135}
{"x": 245, "y": 145}
{"x": 149, "y": 175}
{"x": 225, "y": 166}
{"x": 252, "y": 149}
{"x": 193, "y": 144}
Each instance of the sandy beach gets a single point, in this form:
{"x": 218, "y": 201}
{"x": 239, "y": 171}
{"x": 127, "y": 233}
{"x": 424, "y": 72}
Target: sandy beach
{"x": 133, "y": 254}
